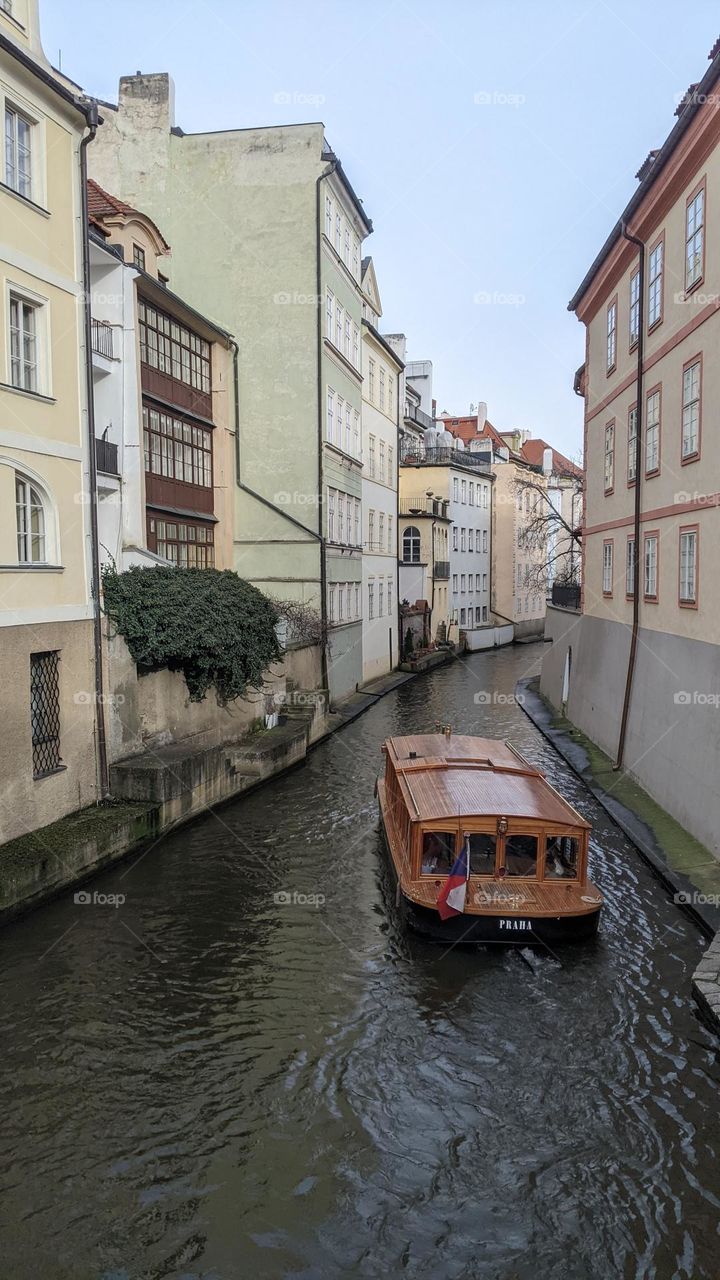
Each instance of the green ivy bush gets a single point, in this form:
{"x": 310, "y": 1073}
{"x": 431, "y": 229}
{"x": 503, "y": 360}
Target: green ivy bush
{"x": 208, "y": 623}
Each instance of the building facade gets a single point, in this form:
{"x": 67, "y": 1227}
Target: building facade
{"x": 382, "y": 373}
{"x": 274, "y": 256}
{"x": 163, "y": 402}
{"x": 649, "y": 307}
{"x": 49, "y": 658}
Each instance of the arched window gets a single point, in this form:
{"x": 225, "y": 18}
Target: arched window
{"x": 31, "y": 524}
{"x": 411, "y": 545}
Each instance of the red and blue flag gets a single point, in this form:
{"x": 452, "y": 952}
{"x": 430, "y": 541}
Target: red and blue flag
{"x": 451, "y": 898}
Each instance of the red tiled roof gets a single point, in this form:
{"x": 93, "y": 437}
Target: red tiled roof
{"x": 102, "y": 205}
{"x": 466, "y": 429}
{"x": 533, "y": 450}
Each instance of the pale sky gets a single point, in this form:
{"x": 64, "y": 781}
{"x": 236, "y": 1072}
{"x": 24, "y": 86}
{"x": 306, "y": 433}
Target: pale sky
{"x": 494, "y": 145}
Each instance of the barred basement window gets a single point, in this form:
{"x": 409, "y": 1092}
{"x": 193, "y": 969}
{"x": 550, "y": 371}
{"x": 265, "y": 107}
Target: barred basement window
{"x": 45, "y": 713}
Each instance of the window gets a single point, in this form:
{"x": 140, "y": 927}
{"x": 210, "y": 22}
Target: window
{"x": 694, "y": 237}
{"x": 463, "y": 543}
{"x": 484, "y": 540}
{"x": 18, "y": 151}
{"x": 45, "y": 713}
{"x": 477, "y": 539}
{"x": 338, "y": 232}
{"x": 390, "y": 535}
{"x": 331, "y": 516}
{"x": 561, "y": 857}
{"x": 455, "y": 583}
{"x": 381, "y": 598}
{"x": 688, "y": 567}
{"x": 328, "y": 217}
{"x": 173, "y": 349}
{"x": 634, "y": 308}
{"x": 632, "y": 445}
{"x": 138, "y": 257}
{"x": 521, "y": 855}
{"x": 371, "y": 381}
{"x": 463, "y": 613}
{"x": 382, "y": 388}
{"x": 411, "y": 545}
{"x": 355, "y": 256}
{"x": 477, "y": 581}
{"x": 30, "y": 523}
{"x": 329, "y": 314}
{"x": 484, "y": 613}
{"x": 371, "y": 600}
{"x": 391, "y": 468}
{"x": 390, "y": 406}
{"x": 463, "y": 490}
{"x": 456, "y": 489}
{"x": 330, "y": 415}
{"x": 611, "y": 335}
{"x": 346, "y": 250}
{"x": 331, "y": 609}
{"x": 630, "y": 567}
{"x": 655, "y": 285}
{"x": 486, "y": 495}
{"x": 23, "y": 343}
{"x": 607, "y": 568}
{"x": 691, "y": 410}
{"x": 176, "y": 449}
{"x": 348, "y": 427}
{"x": 341, "y": 517}
{"x": 371, "y": 454}
{"x": 609, "y": 456}
{"x": 482, "y": 853}
{"x": 357, "y": 601}
{"x": 356, "y": 433}
{"x": 462, "y": 583}
{"x": 471, "y": 494}
{"x": 651, "y": 566}
{"x": 356, "y": 346}
{"x": 652, "y": 433}
{"x": 484, "y": 582}
{"x": 348, "y": 336}
{"x": 339, "y": 325}
{"x": 381, "y": 532}
{"x": 382, "y": 461}
{"x": 390, "y": 596}
{"x": 454, "y": 538}
{"x": 188, "y": 544}
{"x": 371, "y": 530}
{"x": 341, "y": 603}
{"x": 339, "y": 422}
{"x": 357, "y": 539}
{"x": 438, "y": 852}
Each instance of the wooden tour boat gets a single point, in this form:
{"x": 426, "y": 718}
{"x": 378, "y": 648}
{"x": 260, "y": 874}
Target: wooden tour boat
{"x": 443, "y": 795}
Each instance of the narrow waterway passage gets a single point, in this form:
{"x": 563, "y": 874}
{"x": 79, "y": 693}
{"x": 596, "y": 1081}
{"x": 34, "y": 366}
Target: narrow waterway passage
{"x": 208, "y": 1082}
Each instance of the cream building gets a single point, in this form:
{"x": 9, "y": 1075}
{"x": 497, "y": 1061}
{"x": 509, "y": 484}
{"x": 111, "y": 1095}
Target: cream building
{"x": 382, "y": 374}
{"x": 651, "y": 380}
{"x": 267, "y": 235}
{"x": 48, "y": 666}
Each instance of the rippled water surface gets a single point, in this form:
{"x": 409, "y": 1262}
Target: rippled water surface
{"x": 204, "y": 1082}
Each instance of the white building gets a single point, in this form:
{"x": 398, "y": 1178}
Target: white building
{"x": 381, "y": 405}
{"x": 470, "y": 548}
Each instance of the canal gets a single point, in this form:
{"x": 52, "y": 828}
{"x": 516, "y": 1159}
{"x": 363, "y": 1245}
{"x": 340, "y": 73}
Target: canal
{"x": 207, "y": 1082}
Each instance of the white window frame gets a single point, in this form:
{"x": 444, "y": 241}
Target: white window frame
{"x": 650, "y": 566}
{"x": 607, "y": 573}
{"x": 632, "y": 445}
{"x": 611, "y": 352}
{"x": 16, "y": 103}
{"x": 652, "y": 433}
{"x": 694, "y": 239}
{"x": 42, "y": 337}
{"x": 691, "y": 394}
{"x": 688, "y": 571}
{"x": 634, "y": 314}
{"x": 655, "y": 284}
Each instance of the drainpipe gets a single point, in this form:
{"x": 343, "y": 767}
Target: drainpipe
{"x": 102, "y": 760}
{"x": 321, "y": 445}
{"x": 638, "y": 472}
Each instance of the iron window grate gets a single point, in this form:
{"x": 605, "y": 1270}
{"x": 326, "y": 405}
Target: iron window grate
{"x": 45, "y": 712}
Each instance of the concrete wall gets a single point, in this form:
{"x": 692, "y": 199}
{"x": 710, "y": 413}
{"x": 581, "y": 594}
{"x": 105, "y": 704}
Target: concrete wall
{"x": 673, "y": 734}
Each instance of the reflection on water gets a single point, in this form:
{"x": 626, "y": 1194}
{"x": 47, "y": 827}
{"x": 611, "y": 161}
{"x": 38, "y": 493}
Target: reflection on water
{"x": 219, "y": 1079}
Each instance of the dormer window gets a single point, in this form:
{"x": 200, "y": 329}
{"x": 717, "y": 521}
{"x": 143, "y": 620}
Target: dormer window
{"x": 138, "y": 257}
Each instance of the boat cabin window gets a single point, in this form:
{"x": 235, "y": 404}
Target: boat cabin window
{"x": 561, "y": 857}
{"x": 482, "y": 853}
{"x": 521, "y": 855}
{"x": 438, "y": 852}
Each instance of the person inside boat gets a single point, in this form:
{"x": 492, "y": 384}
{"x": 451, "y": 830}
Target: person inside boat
{"x": 521, "y": 855}
{"x": 438, "y": 852}
{"x": 561, "y": 858}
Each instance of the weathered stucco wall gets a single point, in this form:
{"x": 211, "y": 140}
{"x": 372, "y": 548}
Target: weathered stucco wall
{"x": 673, "y": 734}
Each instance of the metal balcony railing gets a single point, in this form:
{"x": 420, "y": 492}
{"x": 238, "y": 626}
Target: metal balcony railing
{"x": 418, "y": 455}
{"x": 102, "y": 338}
{"x": 416, "y": 415}
{"x": 106, "y": 457}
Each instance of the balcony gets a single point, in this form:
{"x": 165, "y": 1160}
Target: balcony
{"x": 441, "y": 569}
{"x": 417, "y": 455}
{"x": 102, "y": 339}
{"x": 106, "y": 457}
{"x": 423, "y": 506}
{"x": 417, "y": 416}
{"x": 565, "y": 595}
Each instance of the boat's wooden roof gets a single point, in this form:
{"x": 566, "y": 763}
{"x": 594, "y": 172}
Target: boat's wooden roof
{"x": 464, "y": 777}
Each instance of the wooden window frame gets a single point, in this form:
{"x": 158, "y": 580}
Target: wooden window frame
{"x": 686, "y": 459}
{"x": 689, "y": 528}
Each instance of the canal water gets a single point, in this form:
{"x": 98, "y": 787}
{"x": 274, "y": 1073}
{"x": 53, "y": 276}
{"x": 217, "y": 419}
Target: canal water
{"x": 208, "y": 1082}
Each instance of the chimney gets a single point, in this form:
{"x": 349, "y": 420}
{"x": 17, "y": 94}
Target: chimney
{"x": 151, "y": 97}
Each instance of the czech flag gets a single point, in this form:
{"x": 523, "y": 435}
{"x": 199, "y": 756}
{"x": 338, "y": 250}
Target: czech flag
{"x": 451, "y": 898}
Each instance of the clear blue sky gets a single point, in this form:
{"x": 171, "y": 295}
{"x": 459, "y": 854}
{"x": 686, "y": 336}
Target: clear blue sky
{"x": 494, "y": 146}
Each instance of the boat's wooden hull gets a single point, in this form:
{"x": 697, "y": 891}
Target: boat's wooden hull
{"x": 509, "y": 926}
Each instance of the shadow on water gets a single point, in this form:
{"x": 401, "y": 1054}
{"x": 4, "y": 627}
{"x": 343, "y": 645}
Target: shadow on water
{"x": 249, "y": 1068}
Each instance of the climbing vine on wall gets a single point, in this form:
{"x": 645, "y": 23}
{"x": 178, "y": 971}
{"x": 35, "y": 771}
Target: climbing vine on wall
{"x": 208, "y": 623}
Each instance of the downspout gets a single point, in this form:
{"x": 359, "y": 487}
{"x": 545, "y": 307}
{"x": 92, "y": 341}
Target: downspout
{"x": 91, "y": 112}
{"x": 638, "y": 472}
{"x": 320, "y": 400}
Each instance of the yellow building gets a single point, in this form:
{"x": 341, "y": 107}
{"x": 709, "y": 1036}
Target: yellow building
{"x": 47, "y": 643}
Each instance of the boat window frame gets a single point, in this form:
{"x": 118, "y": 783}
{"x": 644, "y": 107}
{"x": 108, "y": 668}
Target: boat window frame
{"x": 572, "y": 834}
{"x": 488, "y": 826}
